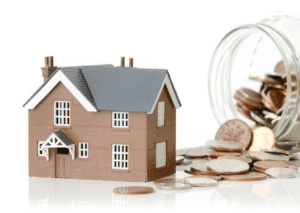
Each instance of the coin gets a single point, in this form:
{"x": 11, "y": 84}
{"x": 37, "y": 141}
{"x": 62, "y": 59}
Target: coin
{"x": 198, "y": 152}
{"x": 215, "y": 154}
{"x": 228, "y": 166}
{"x": 293, "y": 167}
{"x": 167, "y": 180}
{"x": 263, "y": 156}
{"x": 259, "y": 118}
{"x": 214, "y": 177}
{"x": 181, "y": 152}
{"x": 264, "y": 80}
{"x": 251, "y": 176}
{"x": 276, "y": 151}
{"x": 281, "y": 173}
{"x": 263, "y": 138}
{"x": 129, "y": 190}
{"x": 259, "y": 170}
{"x": 187, "y": 161}
{"x": 294, "y": 163}
{"x": 247, "y": 160}
{"x": 179, "y": 159}
{"x": 275, "y": 98}
{"x": 200, "y": 181}
{"x": 251, "y": 95}
{"x": 224, "y": 145}
{"x": 279, "y": 68}
{"x": 235, "y": 130}
{"x": 295, "y": 156}
{"x": 173, "y": 186}
{"x": 264, "y": 165}
{"x": 244, "y": 112}
{"x": 250, "y": 104}
{"x": 201, "y": 168}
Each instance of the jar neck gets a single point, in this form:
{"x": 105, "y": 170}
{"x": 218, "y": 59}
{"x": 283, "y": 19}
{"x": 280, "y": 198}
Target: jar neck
{"x": 224, "y": 60}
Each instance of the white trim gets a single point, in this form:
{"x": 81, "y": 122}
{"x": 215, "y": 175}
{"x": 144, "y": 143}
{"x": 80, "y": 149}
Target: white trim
{"x": 171, "y": 91}
{"x": 40, "y": 144}
{"x": 119, "y": 120}
{"x": 60, "y": 77}
{"x": 83, "y": 149}
{"x": 54, "y": 142}
{"x": 120, "y": 156}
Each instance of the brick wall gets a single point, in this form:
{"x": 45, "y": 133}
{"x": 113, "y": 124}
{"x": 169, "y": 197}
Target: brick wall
{"x": 93, "y": 128}
{"x": 166, "y": 133}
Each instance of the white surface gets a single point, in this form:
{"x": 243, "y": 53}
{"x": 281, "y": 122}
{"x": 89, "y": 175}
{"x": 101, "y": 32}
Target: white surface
{"x": 178, "y": 35}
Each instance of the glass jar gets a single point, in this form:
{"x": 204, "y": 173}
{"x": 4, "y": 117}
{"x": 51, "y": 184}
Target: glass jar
{"x": 254, "y": 50}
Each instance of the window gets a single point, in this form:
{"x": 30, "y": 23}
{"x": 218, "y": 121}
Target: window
{"x": 120, "y": 119}
{"x": 83, "y": 150}
{"x": 40, "y": 151}
{"x": 161, "y": 114}
{"x": 119, "y": 156}
{"x": 62, "y": 113}
{"x": 161, "y": 154}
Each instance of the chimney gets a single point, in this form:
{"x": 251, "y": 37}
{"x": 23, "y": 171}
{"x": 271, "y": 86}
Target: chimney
{"x": 122, "y": 62}
{"x": 49, "y": 68}
{"x": 130, "y": 62}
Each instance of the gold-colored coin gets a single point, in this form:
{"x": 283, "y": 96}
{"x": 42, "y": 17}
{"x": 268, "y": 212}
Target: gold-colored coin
{"x": 263, "y": 138}
{"x": 264, "y": 165}
{"x": 251, "y": 176}
{"x": 129, "y": 190}
{"x": 215, "y": 154}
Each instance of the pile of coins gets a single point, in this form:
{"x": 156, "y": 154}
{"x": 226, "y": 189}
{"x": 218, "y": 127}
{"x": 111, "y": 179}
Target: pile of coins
{"x": 236, "y": 154}
{"x": 266, "y": 106}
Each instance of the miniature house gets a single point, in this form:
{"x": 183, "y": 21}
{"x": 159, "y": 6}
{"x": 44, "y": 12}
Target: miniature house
{"x": 103, "y": 123}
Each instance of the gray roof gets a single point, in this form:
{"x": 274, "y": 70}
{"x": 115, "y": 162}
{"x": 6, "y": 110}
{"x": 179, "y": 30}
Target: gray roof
{"x": 63, "y": 138}
{"x": 116, "y": 88}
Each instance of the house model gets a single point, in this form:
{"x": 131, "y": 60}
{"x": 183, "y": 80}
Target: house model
{"x": 103, "y": 122}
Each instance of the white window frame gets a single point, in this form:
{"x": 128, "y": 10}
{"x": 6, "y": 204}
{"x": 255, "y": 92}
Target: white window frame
{"x": 40, "y": 143}
{"x": 64, "y": 113}
{"x": 161, "y": 114}
{"x": 120, "y": 156}
{"x": 120, "y": 119}
{"x": 161, "y": 154}
{"x": 85, "y": 149}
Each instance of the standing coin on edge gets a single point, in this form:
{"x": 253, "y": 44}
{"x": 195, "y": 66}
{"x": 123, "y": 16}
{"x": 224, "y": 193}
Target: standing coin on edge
{"x": 235, "y": 130}
{"x": 173, "y": 186}
{"x": 130, "y": 190}
{"x": 263, "y": 138}
{"x": 200, "y": 181}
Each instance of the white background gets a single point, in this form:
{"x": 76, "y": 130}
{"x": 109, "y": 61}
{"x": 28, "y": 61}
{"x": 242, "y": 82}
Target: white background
{"x": 178, "y": 35}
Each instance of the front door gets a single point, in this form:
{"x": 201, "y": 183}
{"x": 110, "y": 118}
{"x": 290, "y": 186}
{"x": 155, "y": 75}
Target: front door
{"x": 62, "y": 163}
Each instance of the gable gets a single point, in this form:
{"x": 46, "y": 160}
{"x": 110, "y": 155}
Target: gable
{"x": 57, "y": 78}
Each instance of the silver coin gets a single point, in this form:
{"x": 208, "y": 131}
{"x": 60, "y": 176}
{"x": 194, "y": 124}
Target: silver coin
{"x": 260, "y": 155}
{"x": 281, "y": 173}
{"x": 276, "y": 151}
{"x": 247, "y": 160}
{"x": 198, "y": 152}
{"x": 222, "y": 145}
{"x": 295, "y": 156}
{"x": 179, "y": 159}
{"x": 294, "y": 163}
{"x": 200, "y": 181}
{"x": 251, "y": 94}
{"x": 228, "y": 166}
{"x": 173, "y": 186}
{"x": 259, "y": 118}
{"x": 282, "y": 143}
{"x": 181, "y": 152}
{"x": 187, "y": 161}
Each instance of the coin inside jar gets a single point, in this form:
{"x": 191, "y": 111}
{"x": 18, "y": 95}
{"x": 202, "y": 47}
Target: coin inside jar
{"x": 251, "y": 95}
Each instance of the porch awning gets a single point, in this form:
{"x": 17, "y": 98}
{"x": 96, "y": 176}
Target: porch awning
{"x": 58, "y": 139}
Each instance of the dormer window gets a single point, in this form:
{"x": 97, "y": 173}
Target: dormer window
{"x": 62, "y": 113}
{"x": 120, "y": 119}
